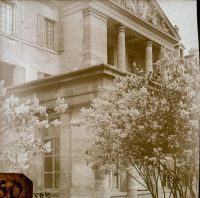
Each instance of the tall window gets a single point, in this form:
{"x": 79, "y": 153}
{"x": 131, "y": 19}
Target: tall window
{"x": 6, "y": 17}
{"x": 46, "y": 29}
{"x": 114, "y": 178}
{"x": 52, "y": 159}
{"x": 48, "y": 33}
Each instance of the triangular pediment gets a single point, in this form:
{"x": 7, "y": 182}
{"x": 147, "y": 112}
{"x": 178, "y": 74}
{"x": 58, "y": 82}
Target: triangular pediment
{"x": 151, "y": 12}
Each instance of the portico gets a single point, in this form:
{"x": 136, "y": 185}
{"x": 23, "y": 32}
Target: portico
{"x": 128, "y": 50}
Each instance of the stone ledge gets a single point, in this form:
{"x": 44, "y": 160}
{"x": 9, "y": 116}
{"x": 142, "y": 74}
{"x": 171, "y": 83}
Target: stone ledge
{"x": 92, "y": 72}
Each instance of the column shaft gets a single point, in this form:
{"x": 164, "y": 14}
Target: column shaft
{"x": 121, "y": 50}
{"x": 148, "y": 58}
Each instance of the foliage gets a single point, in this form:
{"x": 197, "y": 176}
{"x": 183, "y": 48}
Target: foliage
{"x": 151, "y": 124}
{"x": 18, "y": 123}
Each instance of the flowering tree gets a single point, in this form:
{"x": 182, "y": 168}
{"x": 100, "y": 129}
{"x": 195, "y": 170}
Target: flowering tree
{"x": 150, "y": 124}
{"x": 18, "y": 123}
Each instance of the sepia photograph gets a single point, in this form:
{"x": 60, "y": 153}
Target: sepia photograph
{"x": 99, "y": 99}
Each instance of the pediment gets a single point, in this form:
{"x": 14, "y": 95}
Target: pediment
{"x": 149, "y": 11}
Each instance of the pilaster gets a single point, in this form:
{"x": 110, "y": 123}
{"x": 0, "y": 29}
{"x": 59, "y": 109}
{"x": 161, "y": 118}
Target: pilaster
{"x": 101, "y": 185}
{"x": 65, "y": 155}
{"x": 131, "y": 184}
{"x": 95, "y": 37}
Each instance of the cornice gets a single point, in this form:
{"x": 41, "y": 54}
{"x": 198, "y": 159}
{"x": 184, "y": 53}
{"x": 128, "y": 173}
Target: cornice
{"x": 96, "y": 71}
{"x": 94, "y": 12}
{"x": 141, "y": 21}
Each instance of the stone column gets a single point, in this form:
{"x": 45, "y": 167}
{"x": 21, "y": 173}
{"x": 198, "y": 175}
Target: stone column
{"x": 101, "y": 185}
{"x": 121, "y": 49}
{"x": 131, "y": 184}
{"x": 148, "y": 58}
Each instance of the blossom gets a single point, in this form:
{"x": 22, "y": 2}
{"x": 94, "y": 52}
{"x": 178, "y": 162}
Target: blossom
{"x": 18, "y": 122}
{"x": 56, "y": 122}
{"x": 60, "y": 105}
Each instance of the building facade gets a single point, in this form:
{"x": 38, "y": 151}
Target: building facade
{"x": 70, "y": 49}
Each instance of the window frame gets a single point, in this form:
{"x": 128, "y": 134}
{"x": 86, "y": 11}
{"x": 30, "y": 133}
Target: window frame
{"x": 53, "y": 155}
{"x": 117, "y": 172}
{"x": 13, "y": 25}
{"x": 45, "y": 33}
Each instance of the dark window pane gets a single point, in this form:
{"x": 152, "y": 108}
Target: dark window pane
{"x": 48, "y": 180}
{"x": 48, "y": 164}
{"x": 57, "y": 164}
{"x": 56, "y": 146}
{"x": 57, "y": 180}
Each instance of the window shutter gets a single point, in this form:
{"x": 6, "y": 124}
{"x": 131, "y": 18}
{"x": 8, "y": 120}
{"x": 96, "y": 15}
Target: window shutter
{"x": 59, "y": 36}
{"x": 20, "y": 21}
{"x": 19, "y": 75}
{"x": 40, "y": 31}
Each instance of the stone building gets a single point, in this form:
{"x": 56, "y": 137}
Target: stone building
{"x": 71, "y": 48}
{"x": 193, "y": 53}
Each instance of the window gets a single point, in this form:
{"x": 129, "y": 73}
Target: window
{"x": 52, "y": 159}
{"x": 46, "y": 32}
{"x": 114, "y": 178}
{"x": 117, "y": 180}
{"x": 7, "y": 17}
{"x": 11, "y": 74}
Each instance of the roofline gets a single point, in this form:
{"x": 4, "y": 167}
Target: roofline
{"x": 156, "y": 4}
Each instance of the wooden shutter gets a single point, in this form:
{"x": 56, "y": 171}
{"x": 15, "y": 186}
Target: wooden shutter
{"x": 20, "y": 21}
{"x": 40, "y": 30}
{"x": 59, "y": 36}
{"x": 19, "y": 75}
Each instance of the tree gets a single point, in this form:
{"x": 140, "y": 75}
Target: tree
{"x": 150, "y": 124}
{"x": 18, "y": 123}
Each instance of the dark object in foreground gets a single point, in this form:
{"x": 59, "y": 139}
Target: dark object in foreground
{"x": 15, "y": 185}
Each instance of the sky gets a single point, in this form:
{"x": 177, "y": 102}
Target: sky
{"x": 183, "y": 14}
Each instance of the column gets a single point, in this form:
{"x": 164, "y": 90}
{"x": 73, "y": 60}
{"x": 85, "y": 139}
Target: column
{"x": 101, "y": 185}
{"x": 121, "y": 49}
{"x": 131, "y": 184}
{"x": 148, "y": 58}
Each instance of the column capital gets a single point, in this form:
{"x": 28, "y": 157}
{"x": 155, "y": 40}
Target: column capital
{"x": 121, "y": 28}
{"x": 149, "y": 42}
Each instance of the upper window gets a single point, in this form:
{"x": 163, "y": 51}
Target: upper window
{"x": 46, "y": 32}
{"x": 7, "y": 17}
